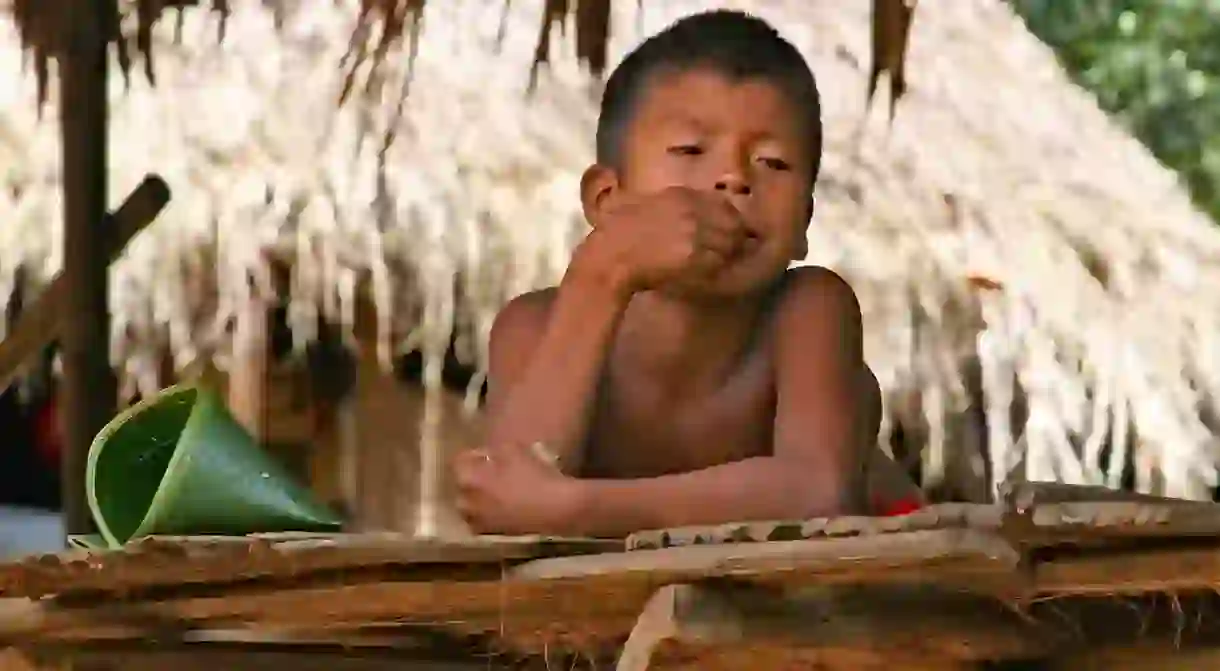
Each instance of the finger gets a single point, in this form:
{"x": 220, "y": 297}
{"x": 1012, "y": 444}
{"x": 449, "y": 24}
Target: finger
{"x": 724, "y": 242}
{"x": 471, "y": 455}
{"x": 722, "y": 214}
{"x": 462, "y": 472}
{"x": 472, "y": 483}
{"x": 469, "y": 484}
{"x": 511, "y": 456}
{"x": 480, "y": 459}
{"x": 707, "y": 262}
{"x": 729, "y": 226}
{"x": 721, "y": 242}
{"x": 473, "y": 502}
{"x": 471, "y": 516}
{"x": 464, "y": 506}
{"x": 473, "y": 471}
{"x": 462, "y": 461}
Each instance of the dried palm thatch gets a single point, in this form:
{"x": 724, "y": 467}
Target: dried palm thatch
{"x": 383, "y": 25}
{"x": 1082, "y": 247}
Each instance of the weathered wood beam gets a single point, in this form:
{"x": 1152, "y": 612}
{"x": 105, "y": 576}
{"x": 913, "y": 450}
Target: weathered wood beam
{"x": 944, "y": 554}
{"x": 199, "y": 657}
{"x": 602, "y": 594}
{"x": 1027, "y": 495}
{"x": 1139, "y": 658}
{"x": 41, "y": 321}
{"x": 895, "y": 625}
{"x": 1130, "y": 572}
{"x": 90, "y": 394}
{"x": 213, "y": 564}
{"x": 865, "y": 623}
{"x": 1033, "y": 518}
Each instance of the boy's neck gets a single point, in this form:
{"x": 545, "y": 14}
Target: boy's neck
{"x": 674, "y": 340}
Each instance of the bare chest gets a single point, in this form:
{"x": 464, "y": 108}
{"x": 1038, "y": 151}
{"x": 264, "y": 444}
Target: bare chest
{"x": 645, "y": 430}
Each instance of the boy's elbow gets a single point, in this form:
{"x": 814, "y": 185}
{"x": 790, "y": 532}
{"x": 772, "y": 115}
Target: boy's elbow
{"x": 828, "y": 502}
{"x": 813, "y": 493}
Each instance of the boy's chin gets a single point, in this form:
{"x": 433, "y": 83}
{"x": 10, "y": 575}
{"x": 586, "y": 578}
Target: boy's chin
{"x": 736, "y": 283}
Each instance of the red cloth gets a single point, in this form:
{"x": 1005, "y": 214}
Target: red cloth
{"x": 897, "y": 508}
{"x": 47, "y": 439}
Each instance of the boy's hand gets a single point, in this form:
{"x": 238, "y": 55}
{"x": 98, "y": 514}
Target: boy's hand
{"x": 512, "y": 490}
{"x": 676, "y": 236}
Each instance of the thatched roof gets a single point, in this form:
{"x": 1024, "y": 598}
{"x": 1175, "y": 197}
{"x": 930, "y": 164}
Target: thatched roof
{"x": 996, "y": 167}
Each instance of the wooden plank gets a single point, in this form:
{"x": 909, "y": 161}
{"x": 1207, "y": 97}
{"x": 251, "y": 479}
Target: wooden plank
{"x": 1130, "y": 572}
{"x": 875, "y": 625}
{"x": 1131, "y": 517}
{"x": 1139, "y": 658}
{"x": 40, "y": 322}
{"x": 166, "y": 562}
{"x": 1090, "y": 623}
{"x": 12, "y": 659}
{"x": 1035, "y": 516}
{"x": 848, "y": 558}
{"x": 469, "y": 608}
{"x": 1100, "y": 523}
{"x": 981, "y": 517}
{"x": 826, "y": 625}
{"x": 176, "y": 561}
{"x": 1026, "y": 495}
{"x": 768, "y": 659}
{"x": 574, "y": 599}
{"x": 861, "y": 622}
{"x": 233, "y": 658}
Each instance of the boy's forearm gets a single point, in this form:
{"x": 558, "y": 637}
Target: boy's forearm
{"x": 552, "y": 402}
{"x": 761, "y": 488}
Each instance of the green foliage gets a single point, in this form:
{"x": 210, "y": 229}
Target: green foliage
{"x": 1155, "y": 65}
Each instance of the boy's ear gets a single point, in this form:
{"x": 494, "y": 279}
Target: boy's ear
{"x": 597, "y": 185}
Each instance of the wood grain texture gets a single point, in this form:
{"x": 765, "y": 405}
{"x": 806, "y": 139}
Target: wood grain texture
{"x": 178, "y": 561}
{"x": 864, "y": 626}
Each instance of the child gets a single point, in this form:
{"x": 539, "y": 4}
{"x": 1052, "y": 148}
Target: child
{"x": 681, "y": 374}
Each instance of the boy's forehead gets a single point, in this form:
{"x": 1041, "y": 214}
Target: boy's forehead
{"x": 705, "y": 96}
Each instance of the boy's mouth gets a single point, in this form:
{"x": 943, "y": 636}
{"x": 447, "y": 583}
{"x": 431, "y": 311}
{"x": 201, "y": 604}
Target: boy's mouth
{"x": 752, "y": 242}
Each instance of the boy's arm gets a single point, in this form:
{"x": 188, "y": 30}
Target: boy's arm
{"x": 819, "y": 444}
{"x": 547, "y": 352}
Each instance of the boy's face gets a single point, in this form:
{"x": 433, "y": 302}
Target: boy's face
{"x": 744, "y": 139}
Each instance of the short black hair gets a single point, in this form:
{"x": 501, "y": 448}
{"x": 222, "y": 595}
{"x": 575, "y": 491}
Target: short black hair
{"x": 732, "y": 43}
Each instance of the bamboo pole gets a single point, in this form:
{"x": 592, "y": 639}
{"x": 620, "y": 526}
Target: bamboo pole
{"x": 89, "y": 387}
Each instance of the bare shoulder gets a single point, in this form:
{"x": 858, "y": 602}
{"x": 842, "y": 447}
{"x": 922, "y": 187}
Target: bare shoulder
{"x": 815, "y": 314}
{"x": 816, "y": 288}
{"x": 515, "y": 335}
{"x": 522, "y": 319}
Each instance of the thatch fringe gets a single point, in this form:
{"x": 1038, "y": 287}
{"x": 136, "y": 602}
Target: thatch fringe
{"x": 45, "y": 25}
{"x": 383, "y": 26}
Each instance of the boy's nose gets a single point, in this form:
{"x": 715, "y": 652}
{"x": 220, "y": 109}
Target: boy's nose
{"x": 733, "y": 185}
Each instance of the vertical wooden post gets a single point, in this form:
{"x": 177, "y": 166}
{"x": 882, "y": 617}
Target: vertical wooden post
{"x": 248, "y": 370}
{"x": 89, "y": 387}
{"x": 427, "y": 508}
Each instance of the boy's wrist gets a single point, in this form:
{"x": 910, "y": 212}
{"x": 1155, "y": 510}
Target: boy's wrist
{"x": 575, "y": 506}
{"x": 595, "y": 267}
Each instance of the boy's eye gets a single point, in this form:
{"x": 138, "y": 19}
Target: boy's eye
{"x": 775, "y": 163}
{"x": 686, "y": 150}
